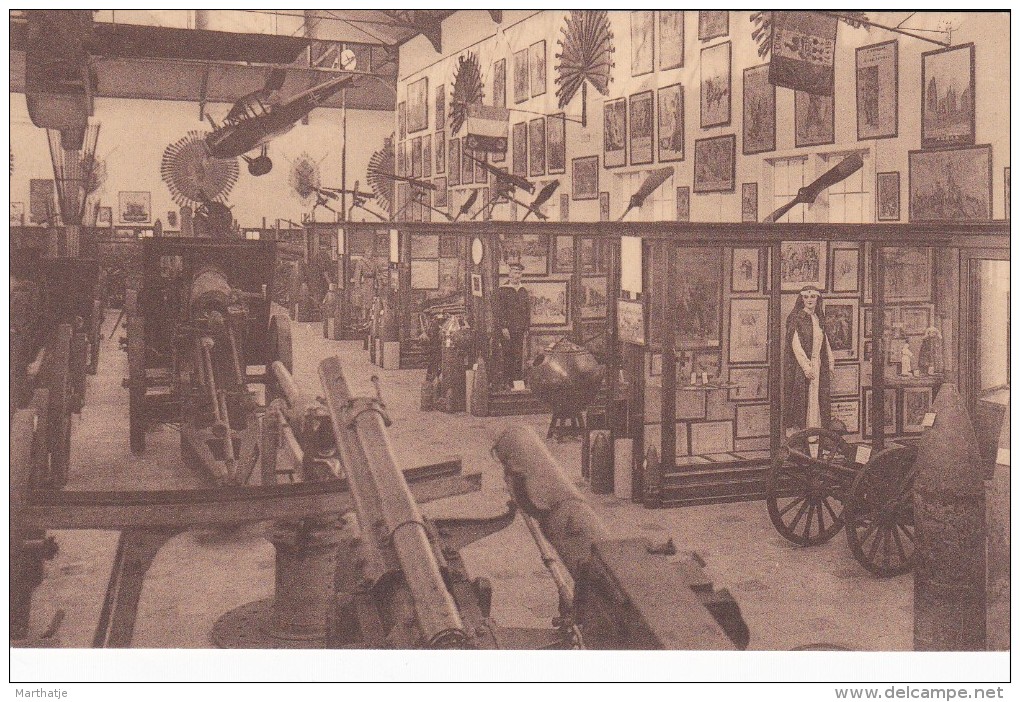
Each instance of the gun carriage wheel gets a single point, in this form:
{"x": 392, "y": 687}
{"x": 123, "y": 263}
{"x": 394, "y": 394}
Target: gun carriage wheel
{"x": 805, "y": 486}
{"x": 880, "y": 512}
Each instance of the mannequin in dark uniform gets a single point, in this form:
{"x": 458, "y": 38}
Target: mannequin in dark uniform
{"x": 512, "y": 316}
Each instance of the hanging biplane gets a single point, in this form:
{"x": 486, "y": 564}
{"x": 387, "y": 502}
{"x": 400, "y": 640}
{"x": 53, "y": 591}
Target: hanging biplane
{"x": 256, "y": 119}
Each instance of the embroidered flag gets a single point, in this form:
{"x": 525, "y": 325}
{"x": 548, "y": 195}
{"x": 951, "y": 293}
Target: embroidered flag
{"x": 803, "y": 51}
{"x": 487, "y": 128}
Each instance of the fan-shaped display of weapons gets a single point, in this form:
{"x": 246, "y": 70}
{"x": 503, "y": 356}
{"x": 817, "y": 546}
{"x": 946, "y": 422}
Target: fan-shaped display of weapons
{"x": 304, "y": 179}
{"x": 467, "y": 89}
{"x": 382, "y": 161}
{"x": 193, "y": 175}
{"x": 586, "y": 56}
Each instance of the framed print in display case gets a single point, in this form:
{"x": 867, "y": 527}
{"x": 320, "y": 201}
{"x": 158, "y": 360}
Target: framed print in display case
{"x": 887, "y": 196}
{"x": 749, "y": 326}
{"x": 630, "y": 321}
{"x": 947, "y": 97}
{"x": 845, "y": 381}
{"x": 424, "y": 246}
{"x": 418, "y": 106}
{"x": 556, "y": 143}
{"x": 954, "y": 184}
{"x": 550, "y": 302}
{"x": 585, "y": 178}
{"x": 803, "y": 264}
{"x": 916, "y": 319}
{"x": 537, "y": 68}
{"x": 671, "y": 123}
{"x": 713, "y": 24}
{"x": 814, "y": 119}
{"x": 641, "y": 128}
{"x": 759, "y": 111}
{"x": 841, "y": 317}
{"x": 711, "y": 437}
{"x": 670, "y": 41}
{"x": 594, "y": 300}
{"x": 752, "y": 421}
{"x": 715, "y": 164}
{"x": 698, "y": 296}
{"x": 536, "y": 147}
{"x": 752, "y": 383}
{"x": 846, "y": 266}
{"x": 877, "y": 90}
{"x": 642, "y": 42}
{"x": 715, "y": 85}
{"x": 916, "y": 404}
{"x": 745, "y": 273}
{"x": 425, "y": 274}
{"x": 848, "y": 412}
{"x": 614, "y": 151}
{"x": 530, "y": 250}
{"x": 563, "y": 254}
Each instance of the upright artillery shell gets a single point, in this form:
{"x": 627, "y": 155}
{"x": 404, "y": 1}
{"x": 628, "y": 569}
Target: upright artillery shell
{"x": 949, "y": 513}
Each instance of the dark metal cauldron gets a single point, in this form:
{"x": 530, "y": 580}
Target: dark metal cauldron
{"x": 565, "y": 376}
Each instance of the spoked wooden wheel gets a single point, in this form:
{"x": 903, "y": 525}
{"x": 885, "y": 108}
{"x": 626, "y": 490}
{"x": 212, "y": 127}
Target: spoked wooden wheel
{"x": 880, "y": 513}
{"x": 804, "y": 486}
{"x": 136, "y": 382}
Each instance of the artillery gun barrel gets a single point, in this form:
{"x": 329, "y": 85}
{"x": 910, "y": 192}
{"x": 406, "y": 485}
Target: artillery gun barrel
{"x": 387, "y": 513}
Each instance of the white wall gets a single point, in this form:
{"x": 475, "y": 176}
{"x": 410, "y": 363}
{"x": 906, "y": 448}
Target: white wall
{"x": 134, "y": 134}
{"x": 474, "y": 30}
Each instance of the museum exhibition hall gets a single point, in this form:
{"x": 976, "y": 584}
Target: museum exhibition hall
{"x": 510, "y": 329}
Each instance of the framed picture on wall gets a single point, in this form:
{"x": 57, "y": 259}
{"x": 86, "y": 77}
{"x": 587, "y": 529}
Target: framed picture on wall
{"x": 715, "y": 85}
{"x": 887, "y": 196}
{"x": 594, "y": 300}
{"x": 499, "y": 83}
{"x": 441, "y": 193}
{"x": 670, "y": 41}
{"x": 418, "y": 106}
{"x": 536, "y": 147}
{"x": 803, "y": 264}
{"x": 603, "y": 206}
{"x": 135, "y": 207}
{"x": 564, "y": 207}
{"x": 916, "y": 404}
{"x": 841, "y": 328}
{"x": 402, "y": 121}
{"x": 476, "y": 284}
{"x": 877, "y": 90}
{"x": 759, "y": 111}
{"x": 845, "y": 381}
{"x": 416, "y": 168}
{"x": 954, "y": 184}
{"x": 585, "y": 178}
{"x": 713, "y": 24}
{"x": 425, "y": 274}
{"x": 440, "y": 107}
{"x": 630, "y": 322}
{"x": 715, "y": 164}
{"x": 426, "y": 156}
{"x": 814, "y": 119}
{"x": 556, "y": 143}
{"x": 520, "y": 157}
{"x": 550, "y": 302}
{"x": 947, "y": 97}
{"x": 749, "y": 324}
{"x": 683, "y": 203}
{"x": 521, "y": 78}
{"x": 614, "y": 151}
{"x": 671, "y": 123}
{"x": 752, "y": 383}
{"x": 105, "y": 217}
{"x": 641, "y": 128}
{"x": 454, "y": 160}
{"x": 537, "y": 66}
{"x": 846, "y": 269}
{"x": 530, "y": 250}
{"x": 481, "y": 175}
{"x": 749, "y": 202}
{"x": 440, "y": 152}
{"x": 752, "y": 421}
{"x": 745, "y": 274}
{"x": 642, "y": 42}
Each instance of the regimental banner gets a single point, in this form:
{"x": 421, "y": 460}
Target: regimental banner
{"x": 487, "y": 128}
{"x": 803, "y": 51}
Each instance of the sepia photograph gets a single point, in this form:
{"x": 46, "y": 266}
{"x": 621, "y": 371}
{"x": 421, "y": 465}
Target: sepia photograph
{"x": 501, "y": 345}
